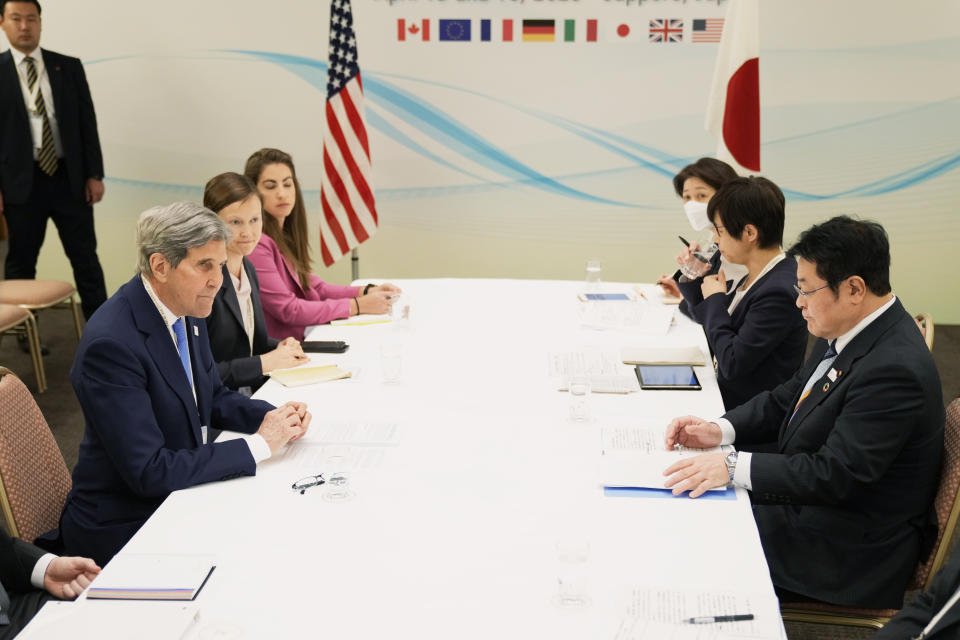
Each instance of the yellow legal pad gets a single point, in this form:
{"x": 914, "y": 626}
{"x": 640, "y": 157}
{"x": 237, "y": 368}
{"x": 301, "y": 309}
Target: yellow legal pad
{"x": 299, "y": 376}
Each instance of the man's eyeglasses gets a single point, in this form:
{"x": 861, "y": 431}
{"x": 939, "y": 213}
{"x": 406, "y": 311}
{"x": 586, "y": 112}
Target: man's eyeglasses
{"x": 801, "y": 292}
{"x": 303, "y": 484}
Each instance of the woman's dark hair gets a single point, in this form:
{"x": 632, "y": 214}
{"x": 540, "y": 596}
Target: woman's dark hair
{"x": 227, "y": 188}
{"x": 752, "y": 200}
{"x": 293, "y": 239}
{"x": 842, "y": 247}
{"x": 712, "y": 171}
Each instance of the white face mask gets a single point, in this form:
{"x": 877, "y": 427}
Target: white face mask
{"x": 696, "y": 214}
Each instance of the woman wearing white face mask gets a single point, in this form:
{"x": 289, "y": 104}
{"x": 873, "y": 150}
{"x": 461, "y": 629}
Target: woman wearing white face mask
{"x": 755, "y": 330}
{"x": 695, "y": 184}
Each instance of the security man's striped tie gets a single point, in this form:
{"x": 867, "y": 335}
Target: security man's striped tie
{"x": 47, "y": 158}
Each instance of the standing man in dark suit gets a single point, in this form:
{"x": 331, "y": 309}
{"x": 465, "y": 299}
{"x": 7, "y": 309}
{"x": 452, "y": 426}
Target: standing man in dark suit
{"x": 29, "y": 578}
{"x": 51, "y": 166}
{"x": 149, "y": 389}
{"x": 844, "y": 506}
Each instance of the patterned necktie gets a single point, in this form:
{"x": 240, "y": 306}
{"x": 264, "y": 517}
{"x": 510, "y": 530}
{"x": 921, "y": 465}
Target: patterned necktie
{"x": 828, "y": 357}
{"x": 180, "y": 331}
{"x": 47, "y": 158}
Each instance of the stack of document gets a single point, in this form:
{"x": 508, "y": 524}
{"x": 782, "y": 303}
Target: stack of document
{"x": 299, "y": 376}
{"x": 111, "y": 620}
{"x": 637, "y": 457}
{"x": 361, "y": 319}
{"x": 604, "y": 371}
{"x": 152, "y": 577}
{"x": 663, "y": 355}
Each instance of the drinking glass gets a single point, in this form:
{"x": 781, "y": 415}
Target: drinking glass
{"x": 698, "y": 264}
{"x": 572, "y": 557}
{"x": 391, "y": 362}
{"x": 579, "y": 388}
{"x": 338, "y": 487}
{"x": 594, "y": 269}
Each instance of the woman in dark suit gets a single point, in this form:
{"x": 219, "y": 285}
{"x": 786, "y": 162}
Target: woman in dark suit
{"x": 238, "y": 333}
{"x": 755, "y": 329}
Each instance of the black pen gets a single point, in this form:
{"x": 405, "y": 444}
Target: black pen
{"x": 711, "y": 619}
{"x": 684, "y": 241}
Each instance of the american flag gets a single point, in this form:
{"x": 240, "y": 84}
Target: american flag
{"x": 706, "y": 30}
{"x": 666, "y": 31}
{"x": 349, "y": 214}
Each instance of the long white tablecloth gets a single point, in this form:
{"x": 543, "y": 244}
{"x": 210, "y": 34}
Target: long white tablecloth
{"x": 453, "y": 532}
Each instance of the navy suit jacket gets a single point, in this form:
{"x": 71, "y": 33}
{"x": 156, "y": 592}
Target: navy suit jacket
{"x": 17, "y": 560}
{"x": 228, "y": 339}
{"x": 845, "y": 505}
{"x": 142, "y": 438}
{"x": 916, "y": 615}
{"x": 762, "y": 343}
{"x": 76, "y": 122}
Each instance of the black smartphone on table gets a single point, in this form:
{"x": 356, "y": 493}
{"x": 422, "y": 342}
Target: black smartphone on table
{"x": 324, "y": 346}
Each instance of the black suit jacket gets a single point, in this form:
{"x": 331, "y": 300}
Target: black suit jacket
{"x": 17, "y": 559}
{"x": 762, "y": 343}
{"x": 228, "y": 339}
{"x": 76, "y": 122}
{"x": 915, "y": 616}
{"x": 844, "y": 507}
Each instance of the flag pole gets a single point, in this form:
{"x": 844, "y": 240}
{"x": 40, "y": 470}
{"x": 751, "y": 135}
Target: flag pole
{"x": 355, "y": 264}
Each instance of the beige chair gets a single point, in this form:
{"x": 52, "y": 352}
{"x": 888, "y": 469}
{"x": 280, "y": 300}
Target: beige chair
{"x": 37, "y": 295}
{"x": 16, "y": 320}
{"x": 947, "y": 505}
{"x": 34, "y": 480}
{"x": 925, "y": 322}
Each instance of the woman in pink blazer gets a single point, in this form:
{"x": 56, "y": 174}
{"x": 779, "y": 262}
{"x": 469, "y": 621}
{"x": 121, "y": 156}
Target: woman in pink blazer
{"x": 291, "y": 295}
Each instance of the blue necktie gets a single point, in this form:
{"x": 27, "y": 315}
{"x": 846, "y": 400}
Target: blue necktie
{"x": 181, "y": 332}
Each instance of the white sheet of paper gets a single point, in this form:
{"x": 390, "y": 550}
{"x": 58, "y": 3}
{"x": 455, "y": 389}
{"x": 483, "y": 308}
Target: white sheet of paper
{"x": 356, "y": 433}
{"x": 607, "y": 374}
{"x": 636, "y": 457}
{"x": 662, "y": 613}
{"x": 312, "y": 457}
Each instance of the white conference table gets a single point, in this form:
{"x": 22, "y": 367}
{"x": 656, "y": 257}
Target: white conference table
{"x": 453, "y": 531}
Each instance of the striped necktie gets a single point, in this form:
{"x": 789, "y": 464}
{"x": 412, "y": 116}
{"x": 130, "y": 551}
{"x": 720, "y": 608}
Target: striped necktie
{"x": 828, "y": 357}
{"x": 47, "y": 158}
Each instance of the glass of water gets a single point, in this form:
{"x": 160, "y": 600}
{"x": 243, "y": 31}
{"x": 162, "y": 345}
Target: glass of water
{"x": 698, "y": 264}
{"x": 594, "y": 270}
{"x": 338, "y": 487}
{"x": 579, "y": 388}
{"x": 391, "y": 362}
{"x": 572, "y": 557}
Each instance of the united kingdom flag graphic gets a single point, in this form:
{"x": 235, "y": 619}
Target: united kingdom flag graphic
{"x": 666, "y": 31}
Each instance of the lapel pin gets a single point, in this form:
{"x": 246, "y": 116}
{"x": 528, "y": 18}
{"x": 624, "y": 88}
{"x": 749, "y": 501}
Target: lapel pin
{"x": 832, "y": 374}
{"x": 839, "y": 373}
{"x": 826, "y": 386}
{"x": 196, "y": 331}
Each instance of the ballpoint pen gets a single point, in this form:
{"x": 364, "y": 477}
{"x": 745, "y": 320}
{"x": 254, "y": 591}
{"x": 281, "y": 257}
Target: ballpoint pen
{"x": 712, "y": 619}
{"x": 684, "y": 241}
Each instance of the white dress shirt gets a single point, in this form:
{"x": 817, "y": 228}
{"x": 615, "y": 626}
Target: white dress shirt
{"x": 259, "y": 448}
{"x": 29, "y": 98}
{"x": 244, "y": 292}
{"x": 741, "y": 475}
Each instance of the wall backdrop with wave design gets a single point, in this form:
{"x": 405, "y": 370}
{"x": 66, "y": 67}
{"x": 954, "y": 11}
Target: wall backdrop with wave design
{"x": 497, "y": 158}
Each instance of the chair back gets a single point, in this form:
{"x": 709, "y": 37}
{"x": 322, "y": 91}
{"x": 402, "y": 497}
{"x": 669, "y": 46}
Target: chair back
{"x": 34, "y": 480}
{"x": 947, "y": 502}
{"x": 925, "y": 322}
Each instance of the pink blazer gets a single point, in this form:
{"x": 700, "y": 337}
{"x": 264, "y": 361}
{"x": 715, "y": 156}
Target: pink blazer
{"x": 287, "y": 307}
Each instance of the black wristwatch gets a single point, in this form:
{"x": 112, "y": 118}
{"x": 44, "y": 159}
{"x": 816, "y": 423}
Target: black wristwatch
{"x": 731, "y": 460}
{"x": 367, "y": 288}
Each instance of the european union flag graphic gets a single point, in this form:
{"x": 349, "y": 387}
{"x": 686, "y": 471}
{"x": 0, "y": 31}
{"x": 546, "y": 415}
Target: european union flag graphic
{"x": 455, "y": 30}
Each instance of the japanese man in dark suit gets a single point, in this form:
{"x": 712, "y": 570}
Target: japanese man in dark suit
{"x": 844, "y": 502}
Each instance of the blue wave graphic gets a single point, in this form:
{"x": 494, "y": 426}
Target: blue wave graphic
{"x": 452, "y": 134}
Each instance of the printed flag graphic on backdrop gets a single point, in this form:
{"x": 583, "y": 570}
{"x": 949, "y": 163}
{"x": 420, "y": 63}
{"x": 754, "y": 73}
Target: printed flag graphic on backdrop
{"x": 617, "y": 31}
{"x": 349, "y": 214}
{"x": 454, "y": 30}
{"x": 538, "y": 30}
{"x": 413, "y": 29}
{"x": 706, "y": 30}
{"x": 666, "y": 31}
{"x": 733, "y": 109}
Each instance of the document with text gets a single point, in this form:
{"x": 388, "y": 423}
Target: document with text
{"x": 636, "y": 457}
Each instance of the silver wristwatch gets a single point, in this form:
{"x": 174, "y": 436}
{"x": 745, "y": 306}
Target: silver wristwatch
{"x": 731, "y": 460}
